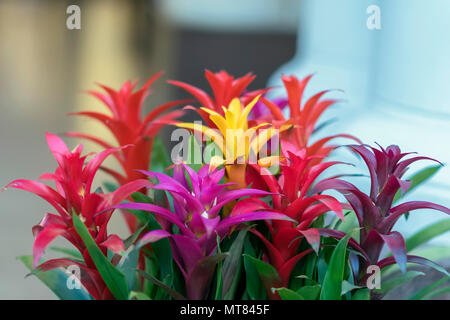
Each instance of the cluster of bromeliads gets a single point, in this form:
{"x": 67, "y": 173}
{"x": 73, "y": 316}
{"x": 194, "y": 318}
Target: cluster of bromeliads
{"x": 224, "y": 229}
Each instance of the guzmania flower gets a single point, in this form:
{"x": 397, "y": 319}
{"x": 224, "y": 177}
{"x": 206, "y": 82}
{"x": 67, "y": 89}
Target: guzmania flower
{"x": 73, "y": 195}
{"x": 197, "y": 204}
{"x": 129, "y": 128}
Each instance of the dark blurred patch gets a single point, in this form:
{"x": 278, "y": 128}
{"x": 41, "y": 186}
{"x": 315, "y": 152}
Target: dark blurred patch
{"x": 237, "y": 53}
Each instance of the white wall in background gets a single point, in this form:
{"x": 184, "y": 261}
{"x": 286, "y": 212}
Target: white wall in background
{"x": 396, "y": 80}
{"x": 334, "y": 42}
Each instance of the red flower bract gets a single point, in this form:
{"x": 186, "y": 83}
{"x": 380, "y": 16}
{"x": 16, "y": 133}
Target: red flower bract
{"x": 73, "y": 179}
{"x": 291, "y": 197}
{"x": 225, "y": 88}
{"x": 128, "y": 128}
{"x": 303, "y": 118}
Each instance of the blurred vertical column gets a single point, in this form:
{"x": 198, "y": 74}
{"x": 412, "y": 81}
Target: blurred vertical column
{"x": 236, "y": 36}
{"x": 36, "y": 88}
{"x": 105, "y": 55}
{"x": 410, "y": 103}
{"x": 119, "y": 40}
{"x": 226, "y": 16}
{"x": 334, "y": 43}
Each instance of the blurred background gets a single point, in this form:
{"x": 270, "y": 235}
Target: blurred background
{"x": 395, "y": 80}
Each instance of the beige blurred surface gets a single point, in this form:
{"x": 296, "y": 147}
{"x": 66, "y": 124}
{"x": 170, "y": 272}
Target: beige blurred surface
{"x": 44, "y": 71}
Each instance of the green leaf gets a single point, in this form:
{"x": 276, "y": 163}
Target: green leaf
{"x": 350, "y": 223}
{"x": 310, "y": 292}
{"x": 267, "y": 273}
{"x": 255, "y": 289}
{"x": 231, "y": 270}
{"x": 128, "y": 267}
{"x": 310, "y": 269}
{"x": 434, "y": 252}
{"x": 162, "y": 251}
{"x": 138, "y": 296}
{"x": 56, "y": 281}
{"x": 347, "y": 287}
{"x": 428, "y": 289}
{"x": 332, "y": 283}
{"x": 393, "y": 282}
{"x": 211, "y": 149}
{"x": 219, "y": 282}
{"x": 161, "y": 248}
{"x": 322, "y": 268}
{"x": 361, "y": 294}
{"x": 174, "y": 294}
{"x": 160, "y": 157}
{"x": 110, "y": 187}
{"x": 129, "y": 260}
{"x": 139, "y": 197}
{"x": 307, "y": 278}
{"x": 114, "y": 279}
{"x": 437, "y": 292}
{"x": 142, "y": 216}
{"x": 428, "y": 233}
{"x": 288, "y": 294}
{"x": 151, "y": 268}
{"x": 194, "y": 158}
{"x": 161, "y": 293}
{"x": 417, "y": 179}
{"x": 133, "y": 237}
{"x": 68, "y": 251}
{"x": 319, "y": 222}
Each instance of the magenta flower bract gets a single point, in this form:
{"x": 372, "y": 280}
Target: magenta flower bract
{"x": 375, "y": 212}
{"x": 196, "y": 213}
{"x": 261, "y": 113}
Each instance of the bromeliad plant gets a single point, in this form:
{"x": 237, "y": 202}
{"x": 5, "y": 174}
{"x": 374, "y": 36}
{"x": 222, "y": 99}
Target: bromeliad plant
{"x": 303, "y": 119}
{"x": 196, "y": 208}
{"x": 376, "y": 213}
{"x": 127, "y": 127}
{"x": 230, "y": 227}
{"x": 225, "y": 88}
{"x": 291, "y": 196}
{"x": 239, "y": 144}
{"x": 77, "y": 220}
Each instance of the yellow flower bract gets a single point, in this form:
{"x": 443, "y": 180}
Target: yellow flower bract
{"x": 237, "y": 142}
